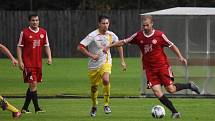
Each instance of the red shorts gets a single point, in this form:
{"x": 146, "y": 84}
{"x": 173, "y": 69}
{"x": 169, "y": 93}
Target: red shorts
{"x": 31, "y": 75}
{"x": 163, "y": 76}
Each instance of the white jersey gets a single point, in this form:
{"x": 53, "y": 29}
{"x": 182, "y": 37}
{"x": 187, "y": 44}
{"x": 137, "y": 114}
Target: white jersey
{"x": 95, "y": 43}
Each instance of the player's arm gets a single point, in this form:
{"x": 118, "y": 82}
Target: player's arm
{"x": 6, "y": 51}
{"x": 115, "y": 44}
{"x": 19, "y": 56}
{"x": 84, "y": 51}
{"x": 178, "y": 54}
{"x": 48, "y": 50}
{"x": 49, "y": 55}
{"x": 20, "y": 45}
{"x": 120, "y": 50}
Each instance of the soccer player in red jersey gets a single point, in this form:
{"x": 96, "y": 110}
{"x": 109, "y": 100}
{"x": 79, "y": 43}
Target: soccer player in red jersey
{"x": 29, "y": 51}
{"x": 158, "y": 71}
{"x": 5, "y": 105}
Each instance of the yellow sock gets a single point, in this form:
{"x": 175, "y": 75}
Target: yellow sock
{"x": 94, "y": 95}
{"x": 106, "y": 90}
{"x": 9, "y": 106}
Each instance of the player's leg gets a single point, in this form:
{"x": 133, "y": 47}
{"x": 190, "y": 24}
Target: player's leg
{"x": 192, "y": 86}
{"x": 106, "y": 88}
{"x": 27, "y": 102}
{"x": 167, "y": 78}
{"x": 5, "y": 105}
{"x": 94, "y": 95}
{"x": 95, "y": 79}
{"x": 180, "y": 86}
{"x": 34, "y": 97}
{"x": 165, "y": 101}
{"x": 37, "y": 78}
{"x": 27, "y": 75}
{"x": 105, "y": 72}
{"x": 106, "y": 91}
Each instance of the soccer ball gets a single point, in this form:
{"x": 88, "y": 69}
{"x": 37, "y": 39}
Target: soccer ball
{"x": 158, "y": 111}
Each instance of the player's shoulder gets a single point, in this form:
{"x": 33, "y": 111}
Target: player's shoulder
{"x": 158, "y": 33}
{"x": 93, "y": 33}
{"x": 138, "y": 33}
{"x": 25, "y": 29}
{"x": 42, "y": 29}
{"x": 111, "y": 33}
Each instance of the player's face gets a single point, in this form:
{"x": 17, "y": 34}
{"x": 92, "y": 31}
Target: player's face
{"x": 147, "y": 26}
{"x": 104, "y": 25}
{"x": 34, "y": 22}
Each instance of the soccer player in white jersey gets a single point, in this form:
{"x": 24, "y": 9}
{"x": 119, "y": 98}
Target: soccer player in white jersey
{"x": 100, "y": 63}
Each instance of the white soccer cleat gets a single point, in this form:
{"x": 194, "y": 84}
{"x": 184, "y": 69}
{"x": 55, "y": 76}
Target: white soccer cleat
{"x": 176, "y": 115}
{"x": 107, "y": 109}
{"x": 93, "y": 111}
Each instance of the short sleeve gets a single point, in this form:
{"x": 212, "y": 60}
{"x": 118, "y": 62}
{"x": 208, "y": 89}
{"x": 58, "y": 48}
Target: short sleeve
{"x": 46, "y": 40}
{"x": 87, "y": 40}
{"x": 115, "y": 38}
{"x": 21, "y": 40}
{"x": 166, "y": 42}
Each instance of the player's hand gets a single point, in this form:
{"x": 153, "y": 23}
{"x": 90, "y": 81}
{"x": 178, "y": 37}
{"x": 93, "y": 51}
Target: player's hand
{"x": 183, "y": 60}
{"x": 105, "y": 49}
{"x": 95, "y": 57}
{"x": 124, "y": 66}
{"x": 14, "y": 62}
{"x": 21, "y": 66}
{"x": 49, "y": 61}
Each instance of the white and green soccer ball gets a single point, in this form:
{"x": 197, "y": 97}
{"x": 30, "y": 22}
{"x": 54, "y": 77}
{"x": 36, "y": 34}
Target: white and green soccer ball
{"x": 158, "y": 111}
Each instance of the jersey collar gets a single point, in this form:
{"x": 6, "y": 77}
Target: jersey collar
{"x": 98, "y": 33}
{"x": 153, "y": 31}
{"x": 35, "y": 31}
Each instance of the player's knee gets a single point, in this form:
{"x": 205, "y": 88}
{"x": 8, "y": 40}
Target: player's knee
{"x": 33, "y": 86}
{"x": 158, "y": 93}
{"x": 105, "y": 81}
{"x": 171, "y": 90}
{"x": 94, "y": 88}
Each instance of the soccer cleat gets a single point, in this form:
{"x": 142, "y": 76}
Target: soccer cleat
{"x": 176, "y": 115}
{"x": 26, "y": 111}
{"x": 107, "y": 109}
{"x": 93, "y": 111}
{"x": 194, "y": 87}
{"x": 3, "y": 104}
{"x": 39, "y": 111}
{"x": 16, "y": 114}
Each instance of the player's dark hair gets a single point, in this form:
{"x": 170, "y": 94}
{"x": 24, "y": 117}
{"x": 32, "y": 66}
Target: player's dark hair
{"x": 102, "y": 17}
{"x": 32, "y": 15}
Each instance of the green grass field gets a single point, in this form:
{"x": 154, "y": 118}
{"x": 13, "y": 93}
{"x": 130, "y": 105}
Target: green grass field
{"x": 135, "y": 109}
{"x": 69, "y": 76}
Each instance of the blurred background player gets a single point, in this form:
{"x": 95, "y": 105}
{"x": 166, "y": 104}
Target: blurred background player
{"x": 29, "y": 53}
{"x": 158, "y": 71}
{"x": 5, "y": 105}
{"x": 100, "y": 63}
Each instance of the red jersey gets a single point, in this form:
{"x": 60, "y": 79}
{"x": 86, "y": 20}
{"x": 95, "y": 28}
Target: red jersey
{"x": 32, "y": 43}
{"x": 151, "y": 47}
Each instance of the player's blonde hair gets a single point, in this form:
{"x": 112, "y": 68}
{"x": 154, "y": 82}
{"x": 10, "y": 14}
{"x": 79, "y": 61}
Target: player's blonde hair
{"x": 145, "y": 17}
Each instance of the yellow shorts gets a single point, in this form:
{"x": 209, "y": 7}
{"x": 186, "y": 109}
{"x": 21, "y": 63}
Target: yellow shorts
{"x": 95, "y": 76}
